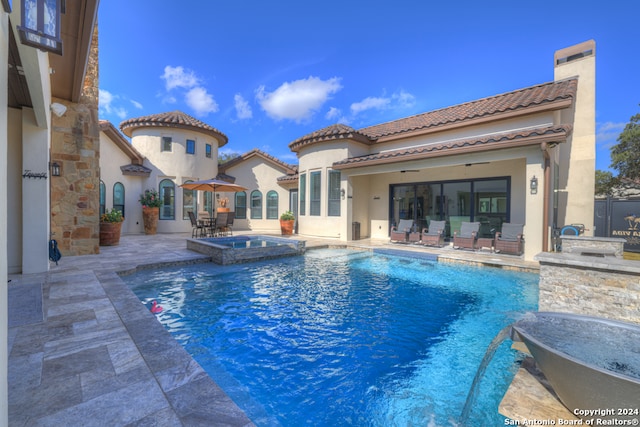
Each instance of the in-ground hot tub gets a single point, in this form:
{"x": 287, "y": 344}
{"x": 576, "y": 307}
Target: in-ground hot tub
{"x": 237, "y": 249}
{"x": 593, "y": 364}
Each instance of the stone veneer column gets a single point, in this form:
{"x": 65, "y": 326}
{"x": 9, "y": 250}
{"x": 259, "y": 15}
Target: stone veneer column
{"x": 75, "y": 145}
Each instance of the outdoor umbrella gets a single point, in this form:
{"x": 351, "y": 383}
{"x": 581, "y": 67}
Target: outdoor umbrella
{"x": 214, "y": 185}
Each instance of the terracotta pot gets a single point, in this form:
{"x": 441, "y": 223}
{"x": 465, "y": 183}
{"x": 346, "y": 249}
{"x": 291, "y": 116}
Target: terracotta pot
{"x": 224, "y": 209}
{"x": 150, "y": 218}
{"x": 286, "y": 226}
{"x": 110, "y": 233}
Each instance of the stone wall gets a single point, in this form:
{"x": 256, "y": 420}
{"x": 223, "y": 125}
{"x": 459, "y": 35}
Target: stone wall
{"x": 75, "y": 146}
{"x": 593, "y": 245}
{"x": 597, "y": 286}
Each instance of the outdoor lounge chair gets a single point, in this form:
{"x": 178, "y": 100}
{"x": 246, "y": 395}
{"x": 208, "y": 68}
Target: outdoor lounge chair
{"x": 510, "y": 239}
{"x": 400, "y": 233}
{"x": 434, "y": 235}
{"x": 467, "y": 236}
{"x": 197, "y": 228}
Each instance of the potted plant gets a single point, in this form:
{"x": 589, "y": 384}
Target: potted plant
{"x": 110, "y": 227}
{"x": 151, "y": 203}
{"x": 222, "y": 204}
{"x": 287, "y": 220}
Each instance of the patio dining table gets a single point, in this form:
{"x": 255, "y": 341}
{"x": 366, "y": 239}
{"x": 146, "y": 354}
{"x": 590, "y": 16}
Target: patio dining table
{"x": 209, "y": 223}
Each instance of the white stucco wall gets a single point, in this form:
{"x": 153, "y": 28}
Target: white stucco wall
{"x": 175, "y": 165}
{"x": 257, "y": 174}
{"x": 319, "y": 158}
{"x": 14, "y": 193}
{"x": 577, "y": 157}
{"x": 111, "y": 158}
{"x": 4, "y": 192}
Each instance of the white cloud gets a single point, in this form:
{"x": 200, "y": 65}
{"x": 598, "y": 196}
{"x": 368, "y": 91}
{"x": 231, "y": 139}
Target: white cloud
{"x": 243, "y": 110}
{"x": 179, "y": 77}
{"x": 607, "y": 133}
{"x": 201, "y": 101}
{"x": 370, "y": 103}
{"x": 137, "y": 104}
{"x": 105, "y": 98}
{"x": 297, "y": 100}
{"x": 404, "y": 99}
{"x": 108, "y": 104}
{"x": 398, "y": 100}
{"x": 333, "y": 113}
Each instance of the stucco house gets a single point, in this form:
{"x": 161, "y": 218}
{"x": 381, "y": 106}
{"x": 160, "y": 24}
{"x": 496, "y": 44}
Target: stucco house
{"x": 173, "y": 148}
{"x": 272, "y": 189}
{"x": 526, "y": 156}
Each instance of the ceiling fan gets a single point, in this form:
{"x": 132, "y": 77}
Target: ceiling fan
{"x": 477, "y": 163}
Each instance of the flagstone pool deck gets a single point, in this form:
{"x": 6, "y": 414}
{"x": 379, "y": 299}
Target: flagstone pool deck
{"x": 83, "y": 350}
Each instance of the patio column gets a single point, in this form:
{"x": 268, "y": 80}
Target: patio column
{"x": 534, "y": 210}
{"x": 35, "y": 195}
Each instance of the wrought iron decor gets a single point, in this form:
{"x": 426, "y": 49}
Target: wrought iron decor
{"x": 34, "y": 175}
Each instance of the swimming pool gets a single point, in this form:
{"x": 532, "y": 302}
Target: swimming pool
{"x": 342, "y": 337}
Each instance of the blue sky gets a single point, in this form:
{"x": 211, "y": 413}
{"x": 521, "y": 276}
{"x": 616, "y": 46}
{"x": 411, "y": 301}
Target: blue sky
{"x": 266, "y": 73}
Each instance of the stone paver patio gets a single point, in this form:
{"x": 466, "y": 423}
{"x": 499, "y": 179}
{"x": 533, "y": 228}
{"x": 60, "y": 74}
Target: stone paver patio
{"x": 83, "y": 350}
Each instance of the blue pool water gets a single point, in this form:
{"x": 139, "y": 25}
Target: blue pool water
{"x": 340, "y": 337}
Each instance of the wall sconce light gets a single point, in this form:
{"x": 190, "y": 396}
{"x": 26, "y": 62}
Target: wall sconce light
{"x": 342, "y": 193}
{"x": 41, "y": 25}
{"x": 58, "y": 109}
{"x": 533, "y": 185}
{"x": 55, "y": 169}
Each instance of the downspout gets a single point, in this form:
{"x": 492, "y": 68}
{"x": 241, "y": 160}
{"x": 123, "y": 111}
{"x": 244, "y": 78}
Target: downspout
{"x": 545, "y": 202}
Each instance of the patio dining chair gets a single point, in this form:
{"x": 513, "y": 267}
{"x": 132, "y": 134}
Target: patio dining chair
{"x": 400, "y": 233}
{"x": 434, "y": 235}
{"x": 197, "y": 228}
{"x": 467, "y": 236}
{"x": 221, "y": 223}
{"x": 509, "y": 240}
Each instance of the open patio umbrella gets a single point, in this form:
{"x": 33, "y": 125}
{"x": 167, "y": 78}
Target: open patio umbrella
{"x": 213, "y": 185}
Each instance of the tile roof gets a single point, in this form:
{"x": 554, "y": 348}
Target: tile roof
{"x": 135, "y": 170}
{"x": 173, "y": 119}
{"x": 511, "y": 139}
{"x": 522, "y": 99}
{"x": 290, "y": 169}
{"x": 330, "y": 133}
{"x": 547, "y": 96}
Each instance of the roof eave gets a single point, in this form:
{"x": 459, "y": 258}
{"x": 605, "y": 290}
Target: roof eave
{"x": 558, "y": 137}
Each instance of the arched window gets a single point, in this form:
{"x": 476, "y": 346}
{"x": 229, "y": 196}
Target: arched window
{"x": 103, "y": 197}
{"x": 272, "y": 205}
{"x": 189, "y": 202}
{"x": 118, "y": 197}
{"x": 241, "y": 205}
{"x": 168, "y": 197}
{"x": 256, "y": 204}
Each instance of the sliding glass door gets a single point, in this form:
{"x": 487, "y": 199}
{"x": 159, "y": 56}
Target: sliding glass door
{"x": 481, "y": 200}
